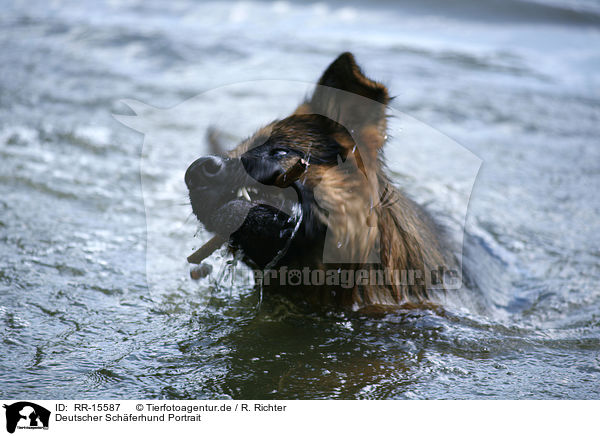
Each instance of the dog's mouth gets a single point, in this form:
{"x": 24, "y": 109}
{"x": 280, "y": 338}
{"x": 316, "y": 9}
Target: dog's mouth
{"x": 225, "y": 213}
{"x": 281, "y": 199}
{"x": 252, "y": 216}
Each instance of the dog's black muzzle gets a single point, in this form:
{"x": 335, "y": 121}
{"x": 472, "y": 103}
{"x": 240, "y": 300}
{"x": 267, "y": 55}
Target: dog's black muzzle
{"x": 205, "y": 172}
{"x": 217, "y": 172}
{"x": 210, "y": 181}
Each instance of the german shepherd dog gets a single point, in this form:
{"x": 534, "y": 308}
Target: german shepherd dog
{"x": 337, "y": 211}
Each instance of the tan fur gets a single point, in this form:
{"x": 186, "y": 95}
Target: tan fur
{"x": 357, "y": 201}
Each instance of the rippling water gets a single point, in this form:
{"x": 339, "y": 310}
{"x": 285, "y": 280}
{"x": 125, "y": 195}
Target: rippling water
{"x": 516, "y": 83}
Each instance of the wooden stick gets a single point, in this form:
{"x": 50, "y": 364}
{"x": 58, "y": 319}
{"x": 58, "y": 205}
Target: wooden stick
{"x": 200, "y": 271}
{"x": 292, "y": 174}
{"x": 206, "y": 250}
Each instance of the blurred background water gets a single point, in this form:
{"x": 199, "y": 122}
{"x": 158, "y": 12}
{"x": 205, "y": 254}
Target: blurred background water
{"x": 515, "y": 82}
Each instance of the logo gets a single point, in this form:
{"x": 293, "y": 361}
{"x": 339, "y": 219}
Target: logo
{"x": 26, "y": 415}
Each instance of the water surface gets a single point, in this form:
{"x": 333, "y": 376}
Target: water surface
{"x": 515, "y": 83}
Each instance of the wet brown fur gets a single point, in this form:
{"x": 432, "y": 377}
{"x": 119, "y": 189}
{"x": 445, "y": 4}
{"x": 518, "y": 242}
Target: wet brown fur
{"x": 357, "y": 200}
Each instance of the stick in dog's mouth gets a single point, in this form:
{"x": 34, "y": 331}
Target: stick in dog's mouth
{"x": 284, "y": 180}
{"x": 292, "y": 174}
{"x": 207, "y": 249}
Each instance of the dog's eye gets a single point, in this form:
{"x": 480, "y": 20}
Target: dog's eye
{"x": 278, "y": 152}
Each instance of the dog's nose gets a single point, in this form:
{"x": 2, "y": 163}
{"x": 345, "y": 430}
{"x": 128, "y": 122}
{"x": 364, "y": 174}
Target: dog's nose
{"x": 203, "y": 171}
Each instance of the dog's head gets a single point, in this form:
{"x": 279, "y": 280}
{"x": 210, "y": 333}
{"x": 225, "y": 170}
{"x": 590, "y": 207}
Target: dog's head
{"x": 339, "y": 132}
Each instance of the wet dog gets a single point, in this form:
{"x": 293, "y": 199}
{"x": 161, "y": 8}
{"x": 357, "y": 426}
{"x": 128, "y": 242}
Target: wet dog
{"x": 307, "y": 202}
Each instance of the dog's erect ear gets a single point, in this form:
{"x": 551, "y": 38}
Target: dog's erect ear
{"x": 345, "y": 74}
{"x": 345, "y": 95}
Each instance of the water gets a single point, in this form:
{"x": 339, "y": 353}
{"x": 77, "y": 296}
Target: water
{"x": 514, "y": 82}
